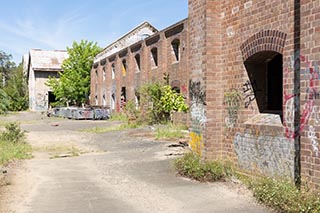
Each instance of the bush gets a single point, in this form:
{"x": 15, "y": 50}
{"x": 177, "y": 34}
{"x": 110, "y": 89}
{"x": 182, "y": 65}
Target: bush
{"x": 191, "y": 165}
{"x": 12, "y": 145}
{"x": 13, "y": 133}
{"x": 283, "y": 196}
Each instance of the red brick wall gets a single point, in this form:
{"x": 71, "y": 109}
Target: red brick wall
{"x": 234, "y": 31}
{"x": 226, "y": 119}
{"x": 310, "y": 95}
{"x": 133, "y": 80}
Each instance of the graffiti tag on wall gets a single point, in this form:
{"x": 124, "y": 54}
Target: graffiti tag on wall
{"x": 313, "y": 138}
{"x": 232, "y": 102}
{"x": 312, "y": 73}
{"x": 197, "y": 96}
{"x": 249, "y": 90}
{"x": 272, "y": 155}
{"x": 196, "y": 143}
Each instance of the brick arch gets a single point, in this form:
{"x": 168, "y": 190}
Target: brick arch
{"x": 265, "y": 40}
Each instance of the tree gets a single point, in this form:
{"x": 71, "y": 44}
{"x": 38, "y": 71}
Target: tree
{"x": 73, "y": 87}
{"x": 6, "y": 64}
{"x": 16, "y": 90}
{"x": 159, "y": 101}
{"x": 8, "y": 83}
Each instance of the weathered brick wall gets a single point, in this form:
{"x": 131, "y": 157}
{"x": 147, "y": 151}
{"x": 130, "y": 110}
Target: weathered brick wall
{"x": 196, "y": 63}
{"x": 224, "y": 45}
{"x": 133, "y": 78}
{"x": 254, "y": 141}
{"x": 310, "y": 95}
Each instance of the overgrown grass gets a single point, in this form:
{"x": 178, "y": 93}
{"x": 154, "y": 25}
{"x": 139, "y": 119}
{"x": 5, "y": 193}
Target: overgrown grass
{"x": 170, "y": 132}
{"x": 191, "y": 165}
{"x": 99, "y": 130}
{"x": 13, "y": 145}
{"x": 118, "y": 117}
{"x": 278, "y": 194}
{"x": 283, "y": 196}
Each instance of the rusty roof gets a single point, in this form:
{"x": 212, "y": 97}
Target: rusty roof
{"x": 47, "y": 60}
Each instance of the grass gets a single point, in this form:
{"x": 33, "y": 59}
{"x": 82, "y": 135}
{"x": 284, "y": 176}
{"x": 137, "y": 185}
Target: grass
{"x": 12, "y": 144}
{"x": 191, "y": 165}
{"x": 170, "y": 132}
{"x": 99, "y": 130}
{"x": 118, "y": 117}
{"x": 283, "y": 196}
{"x": 279, "y": 194}
{"x": 14, "y": 151}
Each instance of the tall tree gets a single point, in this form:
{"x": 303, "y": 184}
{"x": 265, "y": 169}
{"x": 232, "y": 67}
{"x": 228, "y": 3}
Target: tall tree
{"x": 6, "y": 64}
{"x": 73, "y": 87}
{"x": 16, "y": 89}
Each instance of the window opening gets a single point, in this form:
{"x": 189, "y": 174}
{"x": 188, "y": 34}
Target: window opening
{"x": 137, "y": 59}
{"x": 265, "y": 71}
{"x": 124, "y": 67}
{"x": 113, "y": 74}
{"x": 154, "y": 54}
{"x": 175, "y": 44}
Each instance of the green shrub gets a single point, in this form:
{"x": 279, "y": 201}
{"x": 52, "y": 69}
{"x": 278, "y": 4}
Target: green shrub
{"x": 12, "y": 144}
{"x": 191, "y": 165}
{"x": 283, "y": 196}
{"x": 13, "y": 133}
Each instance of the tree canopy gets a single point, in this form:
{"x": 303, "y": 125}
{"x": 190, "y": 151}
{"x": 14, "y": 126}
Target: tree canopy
{"x": 13, "y": 86}
{"x": 73, "y": 87}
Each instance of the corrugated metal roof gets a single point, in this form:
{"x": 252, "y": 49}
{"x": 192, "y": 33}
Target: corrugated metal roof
{"x": 47, "y": 60}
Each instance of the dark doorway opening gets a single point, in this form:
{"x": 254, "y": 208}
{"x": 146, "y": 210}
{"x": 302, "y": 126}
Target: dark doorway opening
{"x": 51, "y": 98}
{"x": 265, "y": 71}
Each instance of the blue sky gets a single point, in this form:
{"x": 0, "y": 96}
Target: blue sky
{"x": 55, "y": 24}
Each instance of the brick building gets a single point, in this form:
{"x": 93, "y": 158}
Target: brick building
{"x": 117, "y": 75}
{"x": 250, "y": 71}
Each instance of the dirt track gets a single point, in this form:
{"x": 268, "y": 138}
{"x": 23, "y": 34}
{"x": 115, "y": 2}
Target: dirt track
{"x": 114, "y": 172}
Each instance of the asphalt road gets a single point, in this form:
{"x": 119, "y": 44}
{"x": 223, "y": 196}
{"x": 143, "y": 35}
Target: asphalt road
{"x": 121, "y": 172}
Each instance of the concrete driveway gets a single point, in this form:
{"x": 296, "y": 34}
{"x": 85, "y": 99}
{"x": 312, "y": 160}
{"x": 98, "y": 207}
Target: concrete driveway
{"x": 115, "y": 172}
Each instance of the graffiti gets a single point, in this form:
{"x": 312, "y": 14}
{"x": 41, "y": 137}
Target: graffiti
{"x": 232, "y": 101}
{"x": 312, "y": 73}
{"x": 197, "y": 96}
{"x": 248, "y": 91}
{"x": 184, "y": 89}
{"x": 197, "y": 93}
{"x": 196, "y": 143}
{"x": 272, "y": 155}
{"x": 83, "y": 114}
{"x": 80, "y": 113}
{"x": 314, "y": 143}
{"x": 101, "y": 114}
{"x": 316, "y": 114}
{"x": 41, "y": 101}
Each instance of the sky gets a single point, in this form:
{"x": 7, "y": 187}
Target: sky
{"x": 55, "y": 24}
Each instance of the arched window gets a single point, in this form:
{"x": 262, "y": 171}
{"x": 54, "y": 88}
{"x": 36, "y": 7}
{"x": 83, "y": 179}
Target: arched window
{"x": 265, "y": 73}
{"x": 175, "y": 44}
